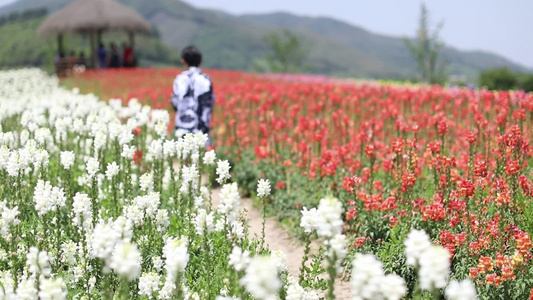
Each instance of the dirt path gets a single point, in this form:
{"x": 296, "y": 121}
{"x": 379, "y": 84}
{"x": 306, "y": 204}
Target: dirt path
{"x": 278, "y": 239}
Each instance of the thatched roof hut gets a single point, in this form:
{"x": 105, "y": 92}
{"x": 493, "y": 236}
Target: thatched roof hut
{"x": 92, "y": 17}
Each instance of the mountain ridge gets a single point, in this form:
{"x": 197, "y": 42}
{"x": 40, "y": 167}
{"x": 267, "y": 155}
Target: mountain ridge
{"x": 337, "y": 47}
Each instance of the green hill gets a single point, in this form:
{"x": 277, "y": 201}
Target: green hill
{"x": 234, "y": 42}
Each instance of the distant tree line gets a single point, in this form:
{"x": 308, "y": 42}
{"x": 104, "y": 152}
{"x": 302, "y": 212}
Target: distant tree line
{"x": 505, "y": 79}
{"x": 24, "y": 15}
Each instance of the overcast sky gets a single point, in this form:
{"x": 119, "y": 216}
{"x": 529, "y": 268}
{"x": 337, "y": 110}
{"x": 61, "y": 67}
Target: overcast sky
{"x": 500, "y": 26}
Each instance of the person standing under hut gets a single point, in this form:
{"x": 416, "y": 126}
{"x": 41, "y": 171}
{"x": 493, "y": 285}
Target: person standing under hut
{"x": 192, "y": 96}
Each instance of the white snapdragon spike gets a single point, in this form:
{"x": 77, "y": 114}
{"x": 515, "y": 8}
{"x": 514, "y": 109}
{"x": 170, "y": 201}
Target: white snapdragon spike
{"x": 204, "y": 222}
{"x": 239, "y": 259}
{"x": 416, "y": 243}
{"x": 69, "y": 251}
{"x": 167, "y": 290}
{"x": 67, "y": 159}
{"x": 263, "y": 188}
{"x": 103, "y": 240}
{"x": 296, "y": 292}
{"x": 236, "y": 230}
{"x": 100, "y": 139}
{"x": 189, "y": 175}
{"x": 157, "y": 263}
{"x": 329, "y": 221}
{"x": 123, "y": 228}
{"x": 209, "y": 157}
{"x": 261, "y": 278}
{"x": 200, "y": 140}
{"x": 162, "y": 220}
{"x": 82, "y": 209}
{"x": 461, "y": 290}
{"x": 126, "y": 261}
{"x": 92, "y": 167}
{"x": 47, "y": 197}
{"x": 125, "y": 136}
{"x": 112, "y": 170}
{"x": 8, "y": 285}
{"x": 169, "y": 148}
{"x": 336, "y": 249}
{"x": 149, "y": 283}
{"x": 38, "y": 262}
{"x": 279, "y": 259}
{"x": 155, "y": 149}
{"x": 367, "y": 277}
{"x": 9, "y": 218}
{"x": 434, "y": 268}
{"x": 229, "y": 201}
{"x": 161, "y": 129}
{"x": 128, "y": 151}
{"x": 176, "y": 257}
{"x": 222, "y": 171}
{"x": 26, "y": 289}
{"x": 13, "y": 164}
{"x": 309, "y": 219}
{"x": 52, "y": 289}
{"x": 393, "y": 287}
{"x": 148, "y": 204}
{"x": 146, "y": 182}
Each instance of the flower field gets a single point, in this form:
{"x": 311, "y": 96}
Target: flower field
{"x": 413, "y": 192}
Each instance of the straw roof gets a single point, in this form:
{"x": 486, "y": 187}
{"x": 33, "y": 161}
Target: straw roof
{"x": 93, "y": 15}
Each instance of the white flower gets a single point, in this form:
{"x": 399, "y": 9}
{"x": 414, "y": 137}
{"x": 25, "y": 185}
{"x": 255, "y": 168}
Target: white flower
{"x": 229, "y": 201}
{"x": 367, "y": 276}
{"x": 126, "y": 261}
{"x": 146, "y": 182}
{"x": 263, "y": 188}
{"x": 162, "y": 220}
{"x": 47, "y": 197}
{"x": 416, "y": 243}
{"x": 149, "y": 284}
{"x": 167, "y": 290}
{"x": 393, "y": 287}
{"x": 112, "y": 170}
{"x": 434, "y": 268}
{"x": 82, "y": 208}
{"x": 67, "y": 159}
{"x": 461, "y": 290}
{"x": 52, "y": 289}
{"x": 92, "y": 167}
{"x": 210, "y": 157}
{"x": 38, "y": 262}
{"x": 279, "y": 259}
{"x": 237, "y": 229}
{"x": 68, "y": 252}
{"x": 157, "y": 263}
{"x": 204, "y": 221}
{"x": 239, "y": 259}
{"x": 296, "y": 292}
{"x": 336, "y": 247}
{"x": 176, "y": 257}
{"x": 103, "y": 240}
{"x": 123, "y": 228}
{"x": 329, "y": 221}
{"x": 26, "y": 289}
{"x": 309, "y": 219}
{"x": 128, "y": 151}
{"x": 222, "y": 171}
{"x": 261, "y": 278}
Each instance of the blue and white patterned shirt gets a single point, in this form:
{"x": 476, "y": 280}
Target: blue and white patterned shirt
{"x": 193, "y": 101}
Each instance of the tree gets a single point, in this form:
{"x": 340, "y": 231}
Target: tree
{"x": 498, "y": 79}
{"x": 426, "y": 50}
{"x": 288, "y": 53}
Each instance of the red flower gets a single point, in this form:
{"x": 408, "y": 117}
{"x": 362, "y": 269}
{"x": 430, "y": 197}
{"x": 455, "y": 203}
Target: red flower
{"x": 137, "y": 130}
{"x": 138, "y": 156}
{"x": 280, "y": 185}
